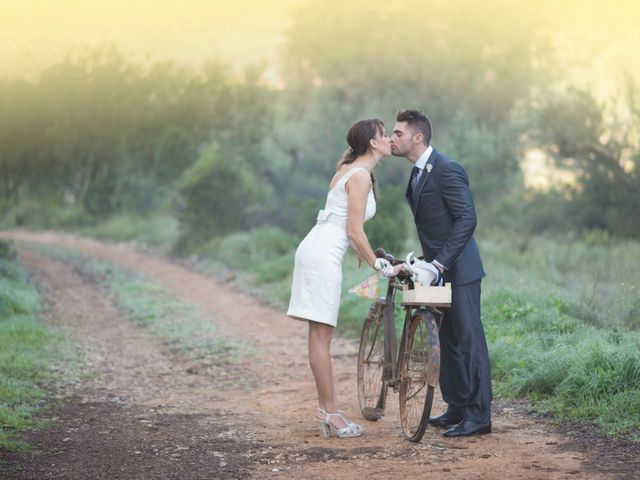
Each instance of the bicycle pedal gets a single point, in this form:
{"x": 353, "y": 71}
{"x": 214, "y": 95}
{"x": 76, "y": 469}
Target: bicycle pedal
{"x": 373, "y": 414}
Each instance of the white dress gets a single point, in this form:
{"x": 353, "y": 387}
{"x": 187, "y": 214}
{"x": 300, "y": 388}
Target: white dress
{"x": 317, "y": 273}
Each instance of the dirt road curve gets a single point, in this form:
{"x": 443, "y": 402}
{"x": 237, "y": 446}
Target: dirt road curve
{"x": 145, "y": 414}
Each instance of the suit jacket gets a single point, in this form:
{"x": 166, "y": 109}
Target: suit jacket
{"x": 445, "y": 218}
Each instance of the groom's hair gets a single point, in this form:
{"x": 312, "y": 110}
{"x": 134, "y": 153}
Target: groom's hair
{"x": 418, "y": 121}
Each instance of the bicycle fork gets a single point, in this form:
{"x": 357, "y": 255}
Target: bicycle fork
{"x": 391, "y": 372}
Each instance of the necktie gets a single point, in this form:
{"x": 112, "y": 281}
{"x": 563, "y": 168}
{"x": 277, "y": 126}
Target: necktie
{"x": 415, "y": 172}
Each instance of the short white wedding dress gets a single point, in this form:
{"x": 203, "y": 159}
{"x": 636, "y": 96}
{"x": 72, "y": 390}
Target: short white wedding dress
{"x": 317, "y": 274}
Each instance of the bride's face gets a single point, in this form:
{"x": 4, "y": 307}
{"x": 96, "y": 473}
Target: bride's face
{"x": 383, "y": 143}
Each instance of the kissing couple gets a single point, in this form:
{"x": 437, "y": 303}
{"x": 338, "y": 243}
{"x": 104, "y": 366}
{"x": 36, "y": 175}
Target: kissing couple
{"x": 440, "y": 200}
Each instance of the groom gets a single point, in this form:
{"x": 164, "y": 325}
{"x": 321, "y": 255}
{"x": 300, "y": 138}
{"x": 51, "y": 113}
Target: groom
{"x": 444, "y": 214}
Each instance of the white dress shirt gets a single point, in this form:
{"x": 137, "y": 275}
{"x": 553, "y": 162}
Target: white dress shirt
{"x": 422, "y": 161}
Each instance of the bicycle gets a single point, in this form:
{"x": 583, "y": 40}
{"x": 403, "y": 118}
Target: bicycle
{"x": 413, "y": 369}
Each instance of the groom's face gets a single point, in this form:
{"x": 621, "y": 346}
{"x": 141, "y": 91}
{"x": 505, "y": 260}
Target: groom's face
{"x": 403, "y": 139}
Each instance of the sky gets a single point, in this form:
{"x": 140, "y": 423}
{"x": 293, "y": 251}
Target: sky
{"x": 600, "y": 38}
{"x": 35, "y": 34}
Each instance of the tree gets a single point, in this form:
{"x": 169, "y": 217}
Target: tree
{"x": 600, "y": 145}
{"x": 110, "y": 135}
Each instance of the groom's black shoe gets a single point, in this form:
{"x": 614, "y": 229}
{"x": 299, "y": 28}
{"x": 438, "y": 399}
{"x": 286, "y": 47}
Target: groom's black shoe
{"x": 446, "y": 419}
{"x": 467, "y": 428}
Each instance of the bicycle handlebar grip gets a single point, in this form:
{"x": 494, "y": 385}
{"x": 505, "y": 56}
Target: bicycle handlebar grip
{"x": 381, "y": 253}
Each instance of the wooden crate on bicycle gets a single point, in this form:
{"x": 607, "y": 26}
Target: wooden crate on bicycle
{"x": 423, "y": 295}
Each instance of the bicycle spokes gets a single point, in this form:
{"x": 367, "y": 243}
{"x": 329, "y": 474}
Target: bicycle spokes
{"x": 416, "y": 371}
{"x": 371, "y": 366}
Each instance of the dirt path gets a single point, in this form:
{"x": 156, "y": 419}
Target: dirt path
{"x": 146, "y": 414}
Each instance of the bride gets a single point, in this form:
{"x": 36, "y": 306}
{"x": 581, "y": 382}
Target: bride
{"x": 317, "y": 273}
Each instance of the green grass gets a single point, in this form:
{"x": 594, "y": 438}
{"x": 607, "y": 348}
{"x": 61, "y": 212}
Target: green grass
{"x": 42, "y": 214}
{"x": 158, "y": 231}
{"x": 598, "y": 282}
{"x": 262, "y": 257}
{"x": 176, "y": 323}
{"x": 576, "y": 371}
{"x": 28, "y": 350}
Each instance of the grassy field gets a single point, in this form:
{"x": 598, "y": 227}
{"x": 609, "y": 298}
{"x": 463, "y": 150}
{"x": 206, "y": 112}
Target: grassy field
{"x": 29, "y": 352}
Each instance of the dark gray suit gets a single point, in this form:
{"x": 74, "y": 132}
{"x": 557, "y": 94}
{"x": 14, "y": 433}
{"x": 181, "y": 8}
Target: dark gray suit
{"x": 445, "y": 218}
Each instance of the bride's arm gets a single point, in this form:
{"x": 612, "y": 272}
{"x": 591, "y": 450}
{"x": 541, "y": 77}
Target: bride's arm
{"x": 357, "y": 188}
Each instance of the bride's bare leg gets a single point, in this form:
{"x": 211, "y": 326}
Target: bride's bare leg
{"x": 320, "y": 360}
{"x": 321, "y": 365}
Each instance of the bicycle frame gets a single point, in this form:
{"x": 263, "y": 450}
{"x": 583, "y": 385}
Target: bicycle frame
{"x": 391, "y": 374}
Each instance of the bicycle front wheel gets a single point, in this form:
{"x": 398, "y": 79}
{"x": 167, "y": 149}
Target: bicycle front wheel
{"x": 419, "y": 372}
{"x": 372, "y": 390}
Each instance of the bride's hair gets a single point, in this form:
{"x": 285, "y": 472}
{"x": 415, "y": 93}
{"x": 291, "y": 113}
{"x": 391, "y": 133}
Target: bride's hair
{"x": 358, "y": 137}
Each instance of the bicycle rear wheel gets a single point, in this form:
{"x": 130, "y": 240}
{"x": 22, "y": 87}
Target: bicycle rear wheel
{"x": 372, "y": 390}
{"x": 419, "y": 372}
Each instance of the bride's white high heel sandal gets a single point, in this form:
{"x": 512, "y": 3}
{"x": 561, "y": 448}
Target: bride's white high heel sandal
{"x": 351, "y": 423}
{"x": 351, "y": 430}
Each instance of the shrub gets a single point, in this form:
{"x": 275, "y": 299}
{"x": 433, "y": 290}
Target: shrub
{"x": 218, "y": 194}
{"x": 5, "y": 250}
{"x": 156, "y": 230}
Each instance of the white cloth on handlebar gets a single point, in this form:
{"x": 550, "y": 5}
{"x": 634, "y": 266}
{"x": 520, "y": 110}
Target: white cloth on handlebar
{"x": 422, "y": 272}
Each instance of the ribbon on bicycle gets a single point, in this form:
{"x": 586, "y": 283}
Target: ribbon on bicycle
{"x": 369, "y": 288}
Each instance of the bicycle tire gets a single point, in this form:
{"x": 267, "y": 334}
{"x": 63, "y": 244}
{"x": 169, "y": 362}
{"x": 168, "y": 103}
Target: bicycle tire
{"x": 419, "y": 373}
{"x": 372, "y": 390}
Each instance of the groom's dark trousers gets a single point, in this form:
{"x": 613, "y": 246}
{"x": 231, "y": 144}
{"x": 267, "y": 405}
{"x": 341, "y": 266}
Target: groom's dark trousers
{"x": 445, "y": 219}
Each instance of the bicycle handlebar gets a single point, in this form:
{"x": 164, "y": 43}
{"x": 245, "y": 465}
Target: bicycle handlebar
{"x": 381, "y": 253}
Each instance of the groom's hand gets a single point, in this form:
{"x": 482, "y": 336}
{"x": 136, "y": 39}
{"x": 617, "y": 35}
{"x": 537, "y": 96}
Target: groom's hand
{"x": 439, "y": 272}
{"x": 439, "y": 266}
